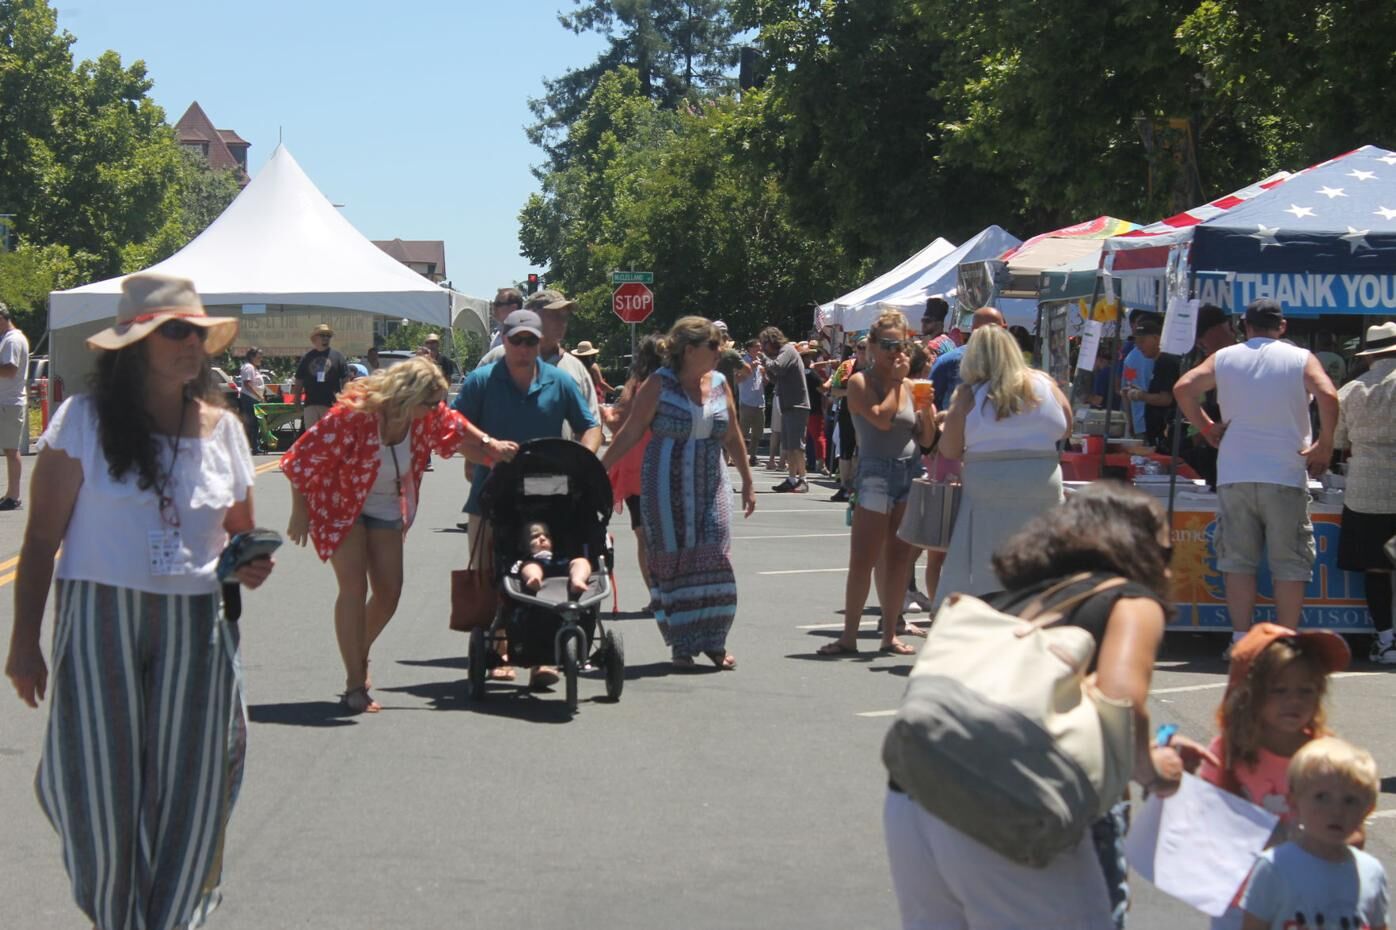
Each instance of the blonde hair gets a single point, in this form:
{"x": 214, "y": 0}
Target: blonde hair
{"x": 395, "y": 391}
{"x": 890, "y": 319}
{"x": 1332, "y": 756}
{"x": 992, "y": 357}
{"x": 687, "y": 331}
{"x": 1238, "y": 718}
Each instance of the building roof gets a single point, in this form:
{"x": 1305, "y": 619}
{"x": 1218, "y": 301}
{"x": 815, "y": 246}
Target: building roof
{"x": 230, "y": 137}
{"x": 195, "y": 126}
{"x": 417, "y": 252}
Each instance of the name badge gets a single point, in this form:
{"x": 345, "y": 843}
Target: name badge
{"x": 165, "y": 552}
{"x": 320, "y": 376}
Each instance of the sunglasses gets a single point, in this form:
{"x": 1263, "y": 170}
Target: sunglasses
{"x": 509, "y": 304}
{"x": 523, "y": 339}
{"x": 892, "y": 345}
{"x": 178, "y": 330}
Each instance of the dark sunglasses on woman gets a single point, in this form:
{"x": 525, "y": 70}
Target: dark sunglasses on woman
{"x": 178, "y": 330}
{"x": 892, "y": 345}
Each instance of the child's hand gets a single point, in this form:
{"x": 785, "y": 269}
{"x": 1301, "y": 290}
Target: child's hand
{"x": 1168, "y": 771}
{"x": 1193, "y": 753}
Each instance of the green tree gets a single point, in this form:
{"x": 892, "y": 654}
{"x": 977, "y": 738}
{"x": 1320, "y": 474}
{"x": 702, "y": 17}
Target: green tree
{"x": 678, "y": 49}
{"x": 88, "y": 158}
{"x": 200, "y": 193}
{"x": 27, "y": 275}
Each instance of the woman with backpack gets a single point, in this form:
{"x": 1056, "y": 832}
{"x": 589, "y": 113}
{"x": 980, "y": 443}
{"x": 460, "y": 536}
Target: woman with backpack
{"x": 1102, "y": 560}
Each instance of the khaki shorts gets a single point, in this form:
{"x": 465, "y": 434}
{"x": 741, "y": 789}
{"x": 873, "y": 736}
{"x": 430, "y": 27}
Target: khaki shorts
{"x": 311, "y": 414}
{"x": 13, "y": 422}
{"x": 1272, "y": 520}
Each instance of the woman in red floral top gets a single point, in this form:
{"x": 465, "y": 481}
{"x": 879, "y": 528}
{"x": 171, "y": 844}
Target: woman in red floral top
{"x": 354, "y": 478}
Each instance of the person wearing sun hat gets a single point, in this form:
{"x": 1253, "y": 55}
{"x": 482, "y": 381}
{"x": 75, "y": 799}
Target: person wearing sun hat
{"x": 447, "y": 365}
{"x": 320, "y": 375}
{"x": 1367, "y": 428}
{"x": 586, "y": 353}
{"x": 141, "y": 482}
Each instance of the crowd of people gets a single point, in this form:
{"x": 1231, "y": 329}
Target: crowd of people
{"x": 142, "y": 482}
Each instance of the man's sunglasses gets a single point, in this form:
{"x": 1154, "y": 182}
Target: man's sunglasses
{"x": 178, "y": 330}
{"x": 523, "y": 339}
{"x": 508, "y": 303}
{"x": 892, "y": 345}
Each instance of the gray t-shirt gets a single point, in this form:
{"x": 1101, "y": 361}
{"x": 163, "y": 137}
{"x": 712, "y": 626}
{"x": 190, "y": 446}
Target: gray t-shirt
{"x": 14, "y": 350}
{"x": 788, "y": 373}
{"x": 1288, "y": 882}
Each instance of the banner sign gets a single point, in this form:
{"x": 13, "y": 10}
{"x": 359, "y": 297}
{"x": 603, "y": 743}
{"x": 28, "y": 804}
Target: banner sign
{"x": 1090, "y": 346}
{"x": 1333, "y": 600}
{"x": 1179, "y": 326}
{"x": 1316, "y": 294}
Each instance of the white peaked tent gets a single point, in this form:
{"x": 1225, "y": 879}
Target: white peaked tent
{"x": 280, "y": 242}
{"x": 941, "y": 278}
{"x": 858, "y": 308}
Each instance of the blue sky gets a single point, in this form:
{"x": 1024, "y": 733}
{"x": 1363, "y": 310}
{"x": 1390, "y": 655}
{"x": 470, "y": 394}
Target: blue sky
{"x": 411, "y": 114}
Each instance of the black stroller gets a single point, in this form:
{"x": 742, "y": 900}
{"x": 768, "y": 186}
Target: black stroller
{"x": 561, "y": 483}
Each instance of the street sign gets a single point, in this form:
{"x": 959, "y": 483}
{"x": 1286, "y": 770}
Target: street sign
{"x": 632, "y": 277}
{"x": 633, "y": 302}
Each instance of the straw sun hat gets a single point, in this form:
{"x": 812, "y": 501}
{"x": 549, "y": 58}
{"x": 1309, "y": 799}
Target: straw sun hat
{"x": 150, "y": 300}
{"x": 585, "y": 350}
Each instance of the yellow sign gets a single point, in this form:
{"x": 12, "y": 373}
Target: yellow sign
{"x": 1106, "y": 310}
{"x": 280, "y": 332}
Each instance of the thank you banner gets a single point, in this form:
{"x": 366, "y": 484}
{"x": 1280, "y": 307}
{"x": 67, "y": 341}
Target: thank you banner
{"x": 1315, "y": 294}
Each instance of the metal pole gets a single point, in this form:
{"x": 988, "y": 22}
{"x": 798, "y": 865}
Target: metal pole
{"x": 633, "y": 344}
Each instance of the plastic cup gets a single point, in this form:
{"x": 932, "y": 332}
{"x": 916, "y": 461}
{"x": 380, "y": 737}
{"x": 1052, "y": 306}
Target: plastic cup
{"x": 922, "y": 393}
{"x": 1095, "y": 445}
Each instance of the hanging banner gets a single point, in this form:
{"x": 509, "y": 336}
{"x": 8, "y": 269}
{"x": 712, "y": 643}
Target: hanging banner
{"x": 1179, "y": 326}
{"x": 1090, "y": 346}
{"x": 1317, "y": 294}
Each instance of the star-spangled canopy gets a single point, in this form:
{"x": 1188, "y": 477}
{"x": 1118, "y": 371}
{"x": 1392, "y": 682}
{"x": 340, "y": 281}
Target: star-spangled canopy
{"x": 1336, "y": 217}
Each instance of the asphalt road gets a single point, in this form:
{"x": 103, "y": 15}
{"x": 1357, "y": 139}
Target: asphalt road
{"x": 749, "y": 798}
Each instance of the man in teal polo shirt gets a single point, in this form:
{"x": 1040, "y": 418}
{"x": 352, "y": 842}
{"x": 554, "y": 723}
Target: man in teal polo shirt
{"x": 520, "y": 398}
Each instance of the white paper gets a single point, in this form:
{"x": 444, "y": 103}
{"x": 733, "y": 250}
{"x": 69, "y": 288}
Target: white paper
{"x": 1090, "y": 345}
{"x": 1199, "y": 845}
{"x": 1180, "y": 326}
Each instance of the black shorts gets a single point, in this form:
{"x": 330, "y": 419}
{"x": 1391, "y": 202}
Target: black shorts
{"x": 1361, "y": 540}
{"x": 632, "y": 504}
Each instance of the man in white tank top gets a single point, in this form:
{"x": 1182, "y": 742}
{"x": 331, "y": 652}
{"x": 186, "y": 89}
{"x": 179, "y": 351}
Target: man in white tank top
{"x": 1266, "y": 455}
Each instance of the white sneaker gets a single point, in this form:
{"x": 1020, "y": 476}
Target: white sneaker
{"x": 910, "y": 605}
{"x": 1382, "y": 653}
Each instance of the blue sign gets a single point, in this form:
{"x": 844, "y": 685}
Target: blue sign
{"x": 1317, "y": 294}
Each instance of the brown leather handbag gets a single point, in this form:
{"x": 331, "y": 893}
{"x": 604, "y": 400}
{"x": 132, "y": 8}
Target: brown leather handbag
{"x": 474, "y": 597}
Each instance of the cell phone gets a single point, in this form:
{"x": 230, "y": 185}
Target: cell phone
{"x": 245, "y": 548}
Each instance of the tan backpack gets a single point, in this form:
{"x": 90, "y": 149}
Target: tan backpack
{"x": 1001, "y": 733}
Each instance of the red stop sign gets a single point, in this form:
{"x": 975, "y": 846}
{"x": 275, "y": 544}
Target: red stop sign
{"x": 633, "y": 302}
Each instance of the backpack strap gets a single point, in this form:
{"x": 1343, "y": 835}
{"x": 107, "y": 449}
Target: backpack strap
{"x": 1040, "y": 615}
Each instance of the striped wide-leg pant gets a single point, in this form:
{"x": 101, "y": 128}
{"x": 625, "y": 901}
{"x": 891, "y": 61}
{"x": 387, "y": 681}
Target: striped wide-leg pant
{"x": 144, "y": 752}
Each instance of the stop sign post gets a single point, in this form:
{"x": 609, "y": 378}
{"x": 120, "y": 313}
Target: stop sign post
{"x": 632, "y": 300}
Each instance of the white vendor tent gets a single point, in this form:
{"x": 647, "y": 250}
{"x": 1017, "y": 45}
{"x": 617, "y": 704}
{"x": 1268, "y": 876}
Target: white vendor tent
{"x": 282, "y": 258}
{"x": 940, "y": 278}
{"x": 859, "y": 307}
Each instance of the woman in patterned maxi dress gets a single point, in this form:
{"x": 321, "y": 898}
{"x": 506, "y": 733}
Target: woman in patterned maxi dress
{"x": 689, "y": 411}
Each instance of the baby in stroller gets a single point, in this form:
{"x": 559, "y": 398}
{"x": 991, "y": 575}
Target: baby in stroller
{"x": 541, "y": 563}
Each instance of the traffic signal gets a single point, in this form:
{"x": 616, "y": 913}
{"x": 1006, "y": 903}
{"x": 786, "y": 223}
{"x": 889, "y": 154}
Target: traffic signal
{"x": 533, "y": 283}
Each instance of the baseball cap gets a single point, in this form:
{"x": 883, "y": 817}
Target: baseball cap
{"x": 1265, "y": 312}
{"x": 434, "y": 337}
{"x": 522, "y": 321}
{"x": 1148, "y": 326}
{"x": 1328, "y": 647}
{"x": 1210, "y": 315}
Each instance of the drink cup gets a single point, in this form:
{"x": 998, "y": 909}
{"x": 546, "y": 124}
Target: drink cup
{"x": 922, "y": 393}
{"x": 1095, "y": 445}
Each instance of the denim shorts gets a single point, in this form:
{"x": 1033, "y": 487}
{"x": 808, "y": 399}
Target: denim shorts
{"x": 882, "y": 484}
{"x": 378, "y": 523}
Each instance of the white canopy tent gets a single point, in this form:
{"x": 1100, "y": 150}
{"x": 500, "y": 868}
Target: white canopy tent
{"x": 858, "y": 308}
{"x": 940, "y": 278}
{"x": 280, "y": 256}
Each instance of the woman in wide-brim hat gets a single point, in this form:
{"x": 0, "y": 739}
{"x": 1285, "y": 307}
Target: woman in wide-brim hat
{"x": 141, "y": 482}
{"x": 587, "y": 353}
{"x": 1367, "y": 427}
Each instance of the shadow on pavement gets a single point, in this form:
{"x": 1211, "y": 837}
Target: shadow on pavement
{"x": 504, "y": 699}
{"x": 302, "y": 714}
{"x": 1388, "y": 785}
{"x": 460, "y": 662}
{"x": 657, "y": 670}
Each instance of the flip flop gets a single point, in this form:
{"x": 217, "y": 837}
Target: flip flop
{"x": 911, "y": 629}
{"x": 502, "y": 673}
{"x": 897, "y": 649}
{"x": 724, "y": 661}
{"x": 543, "y": 676}
{"x": 835, "y": 650}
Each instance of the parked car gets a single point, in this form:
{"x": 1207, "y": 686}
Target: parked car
{"x": 227, "y": 387}
{"x": 38, "y": 373}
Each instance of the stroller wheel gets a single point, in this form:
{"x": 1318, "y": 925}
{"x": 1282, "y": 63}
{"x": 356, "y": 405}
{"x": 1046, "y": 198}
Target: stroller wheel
{"x": 475, "y": 686}
{"x": 615, "y": 664}
{"x": 569, "y": 670}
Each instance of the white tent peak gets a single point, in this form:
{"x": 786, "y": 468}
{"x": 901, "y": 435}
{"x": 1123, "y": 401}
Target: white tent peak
{"x": 280, "y": 242}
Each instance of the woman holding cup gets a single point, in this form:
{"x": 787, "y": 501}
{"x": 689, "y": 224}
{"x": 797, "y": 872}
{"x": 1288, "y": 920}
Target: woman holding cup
{"x": 891, "y": 427}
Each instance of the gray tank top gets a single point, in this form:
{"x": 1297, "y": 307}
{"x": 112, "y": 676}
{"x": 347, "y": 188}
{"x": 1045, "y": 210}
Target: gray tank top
{"x": 895, "y": 443}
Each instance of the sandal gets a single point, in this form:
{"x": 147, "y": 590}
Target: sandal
{"x": 542, "y": 676}
{"x": 911, "y": 629}
{"x": 501, "y": 673}
{"x": 836, "y": 649}
{"x": 896, "y": 648}
{"x": 683, "y": 664}
{"x": 357, "y": 701}
{"x": 724, "y": 660}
